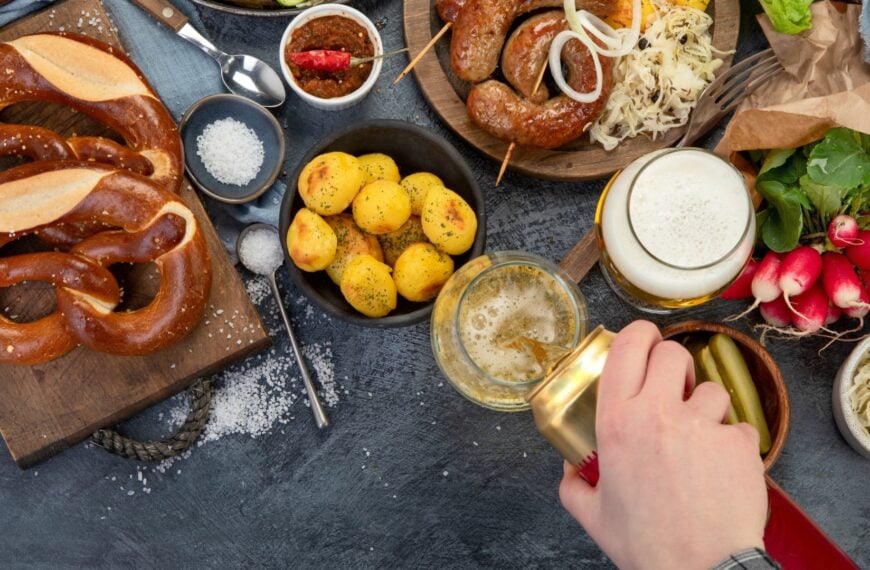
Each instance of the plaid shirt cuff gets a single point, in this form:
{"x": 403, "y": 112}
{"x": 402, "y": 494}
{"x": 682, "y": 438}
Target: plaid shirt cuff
{"x": 749, "y": 559}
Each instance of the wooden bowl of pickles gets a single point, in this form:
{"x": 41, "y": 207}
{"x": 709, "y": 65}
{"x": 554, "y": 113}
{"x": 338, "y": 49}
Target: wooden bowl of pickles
{"x": 739, "y": 362}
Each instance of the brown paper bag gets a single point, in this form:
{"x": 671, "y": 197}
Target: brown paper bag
{"x": 825, "y": 84}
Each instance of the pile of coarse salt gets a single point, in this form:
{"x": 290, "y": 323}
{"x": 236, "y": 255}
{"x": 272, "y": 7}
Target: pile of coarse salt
{"x": 230, "y": 151}
{"x": 260, "y": 250}
{"x": 256, "y": 398}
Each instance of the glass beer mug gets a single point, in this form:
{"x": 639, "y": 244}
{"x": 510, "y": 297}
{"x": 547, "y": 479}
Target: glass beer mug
{"x": 674, "y": 229}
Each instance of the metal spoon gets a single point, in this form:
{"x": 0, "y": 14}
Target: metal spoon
{"x": 269, "y": 272}
{"x": 243, "y": 75}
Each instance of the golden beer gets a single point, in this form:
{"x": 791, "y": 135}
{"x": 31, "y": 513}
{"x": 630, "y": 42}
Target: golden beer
{"x": 492, "y": 301}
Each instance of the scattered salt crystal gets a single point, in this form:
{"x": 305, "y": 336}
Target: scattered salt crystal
{"x": 446, "y": 473}
{"x": 131, "y": 493}
{"x": 230, "y": 151}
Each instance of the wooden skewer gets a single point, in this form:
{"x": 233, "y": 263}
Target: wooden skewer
{"x": 423, "y": 51}
{"x": 513, "y": 146}
{"x": 504, "y": 163}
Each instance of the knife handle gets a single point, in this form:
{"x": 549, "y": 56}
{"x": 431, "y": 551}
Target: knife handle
{"x": 164, "y": 12}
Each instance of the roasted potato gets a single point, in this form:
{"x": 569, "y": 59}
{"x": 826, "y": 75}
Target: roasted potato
{"x": 310, "y": 241}
{"x": 368, "y": 286}
{"x": 448, "y": 221}
{"x": 416, "y": 185}
{"x": 394, "y": 243}
{"x": 421, "y": 271}
{"x": 381, "y": 207}
{"x": 351, "y": 242}
{"x": 330, "y": 182}
{"x": 379, "y": 166}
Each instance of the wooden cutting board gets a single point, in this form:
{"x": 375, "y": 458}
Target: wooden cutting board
{"x": 46, "y": 408}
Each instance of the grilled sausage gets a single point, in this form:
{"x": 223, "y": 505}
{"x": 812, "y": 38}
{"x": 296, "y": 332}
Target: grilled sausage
{"x": 525, "y": 53}
{"x": 478, "y": 36}
{"x": 600, "y": 8}
{"x": 497, "y": 109}
{"x": 448, "y": 10}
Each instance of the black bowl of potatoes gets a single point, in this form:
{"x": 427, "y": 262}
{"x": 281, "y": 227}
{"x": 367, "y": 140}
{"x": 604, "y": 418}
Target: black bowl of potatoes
{"x": 375, "y": 220}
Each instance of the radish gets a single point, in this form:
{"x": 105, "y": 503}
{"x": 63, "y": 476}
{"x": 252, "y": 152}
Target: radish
{"x": 843, "y": 231}
{"x": 741, "y": 288}
{"x": 861, "y": 308}
{"x": 765, "y": 283}
{"x": 840, "y": 281}
{"x": 859, "y": 254}
{"x": 776, "y": 313}
{"x": 800, "y": 270}
{"x": 810, "y": 309}
{"x": 834, "y": 313}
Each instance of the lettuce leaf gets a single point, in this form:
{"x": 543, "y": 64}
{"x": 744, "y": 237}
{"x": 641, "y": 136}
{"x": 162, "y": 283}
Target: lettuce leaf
{"x": 784, "y": 223}
{"x": 789, "y": 16}
{"x": 841, "y": 159}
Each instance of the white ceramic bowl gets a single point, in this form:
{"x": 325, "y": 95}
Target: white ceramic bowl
{"x": 857, "y": 436}
{"x": 354, "y": 97}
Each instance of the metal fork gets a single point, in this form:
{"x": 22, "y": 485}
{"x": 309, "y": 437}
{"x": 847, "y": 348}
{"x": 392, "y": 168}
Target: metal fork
{"x": 727, "y": 91}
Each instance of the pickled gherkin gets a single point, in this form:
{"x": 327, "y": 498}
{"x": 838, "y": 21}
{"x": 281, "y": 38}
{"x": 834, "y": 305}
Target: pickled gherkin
{"x": 738, "y": 381}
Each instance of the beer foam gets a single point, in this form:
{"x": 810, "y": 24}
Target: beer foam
{"x": 503, "y": 309}
{"x": 689, "y": 211}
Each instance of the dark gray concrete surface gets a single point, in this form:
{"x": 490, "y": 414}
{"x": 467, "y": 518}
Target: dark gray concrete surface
{"x": 296, "y": 497}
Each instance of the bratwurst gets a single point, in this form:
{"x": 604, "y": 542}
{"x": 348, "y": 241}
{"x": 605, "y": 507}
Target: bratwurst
{"x": 448, "y": 10}
{"x": 526, "y": 50}
{"x": 478, "y": 36}
{"x": 481, "y": 26}
{"x": 500, "y": 111}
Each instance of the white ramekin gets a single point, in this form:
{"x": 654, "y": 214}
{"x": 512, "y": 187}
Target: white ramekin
{"x": 844, "y": 415}
{"x": 354, "y": 97}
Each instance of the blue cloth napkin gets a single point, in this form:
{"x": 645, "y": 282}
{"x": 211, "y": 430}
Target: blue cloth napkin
{"x": 181, "y": 74}
{"x": 865, "y": 30}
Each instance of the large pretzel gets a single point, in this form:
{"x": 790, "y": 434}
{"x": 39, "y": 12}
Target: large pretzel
{"x": 99, "y": 81}
{"x": 151, "y": 225}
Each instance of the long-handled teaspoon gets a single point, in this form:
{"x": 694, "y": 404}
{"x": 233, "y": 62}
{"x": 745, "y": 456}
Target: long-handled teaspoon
{"x": 243, "y": 75}
{"x": 256, "y": 256}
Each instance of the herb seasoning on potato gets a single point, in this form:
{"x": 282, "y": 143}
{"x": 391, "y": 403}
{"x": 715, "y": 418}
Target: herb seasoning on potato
{"x": 380, "y": 235}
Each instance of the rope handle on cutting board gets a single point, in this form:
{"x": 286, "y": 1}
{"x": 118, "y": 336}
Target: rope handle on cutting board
{"x": 200, "y": 394}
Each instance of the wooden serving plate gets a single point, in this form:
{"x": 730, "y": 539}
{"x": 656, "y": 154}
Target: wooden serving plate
{"x": 580, "y": 159}
{"x": 48, "y": 407}
{"x": 765, "y": 372}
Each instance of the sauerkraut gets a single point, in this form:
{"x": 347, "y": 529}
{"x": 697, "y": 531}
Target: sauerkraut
{"x": 859, "y": 394}
{"x": 656, "y": 86}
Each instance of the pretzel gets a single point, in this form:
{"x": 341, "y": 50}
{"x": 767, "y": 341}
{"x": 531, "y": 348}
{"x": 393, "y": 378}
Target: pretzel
{"x": 37, "y": 143}
{"x": 102, "y": 83}
{"x": 151, "y": 225}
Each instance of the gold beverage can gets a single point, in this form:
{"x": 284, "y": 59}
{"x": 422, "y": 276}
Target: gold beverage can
{"x": 563, "y": 403}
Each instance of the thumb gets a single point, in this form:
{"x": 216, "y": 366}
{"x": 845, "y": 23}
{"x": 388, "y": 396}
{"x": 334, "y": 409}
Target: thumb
{"x": 577, "y": 496}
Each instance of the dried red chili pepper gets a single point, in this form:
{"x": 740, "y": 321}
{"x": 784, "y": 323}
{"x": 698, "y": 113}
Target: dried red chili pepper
{"x": 330, "y": 61}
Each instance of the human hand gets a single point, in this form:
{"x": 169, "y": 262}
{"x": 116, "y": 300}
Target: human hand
{"x": 678, "y": 488}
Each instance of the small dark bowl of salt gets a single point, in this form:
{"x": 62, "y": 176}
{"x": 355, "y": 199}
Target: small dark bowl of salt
{"x": 414, "y": 149}
{"x": 233, "y": 147}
